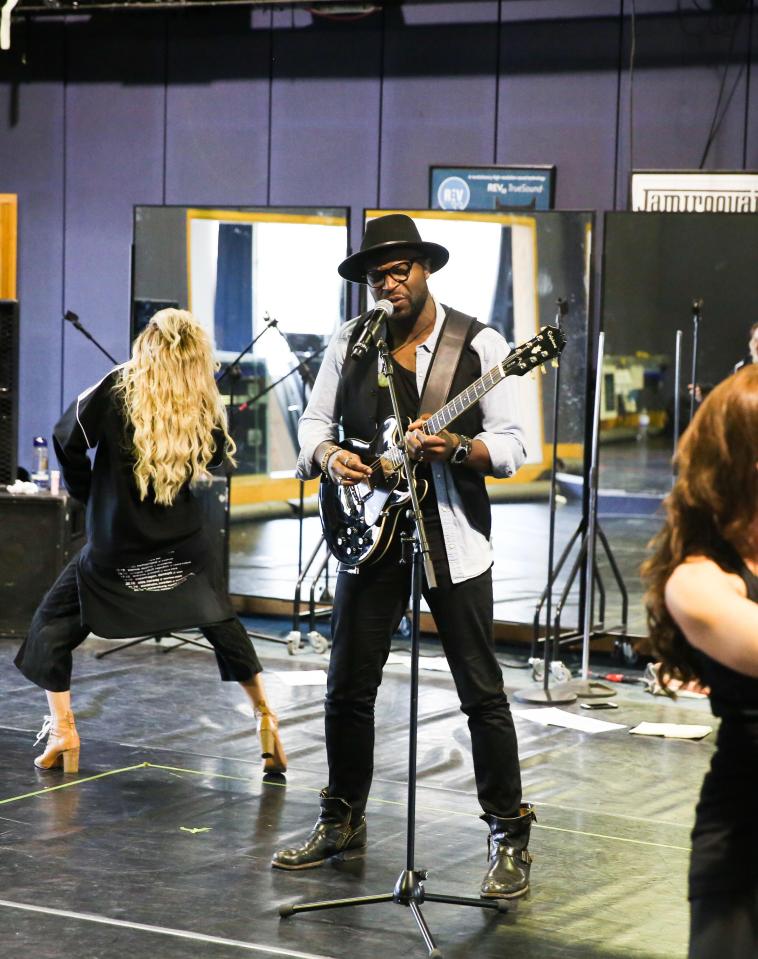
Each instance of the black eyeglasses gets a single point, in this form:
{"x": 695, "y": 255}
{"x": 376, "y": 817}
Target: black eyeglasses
{"x": 398, "y": 271}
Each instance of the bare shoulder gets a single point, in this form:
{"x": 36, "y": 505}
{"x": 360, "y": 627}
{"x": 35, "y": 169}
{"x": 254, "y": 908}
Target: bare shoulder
{"x": 698, "y": 584}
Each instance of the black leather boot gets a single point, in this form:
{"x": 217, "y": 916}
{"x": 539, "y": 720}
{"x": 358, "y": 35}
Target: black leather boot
{"x": 509, "y": 859}
{"x": 333, "y": 837}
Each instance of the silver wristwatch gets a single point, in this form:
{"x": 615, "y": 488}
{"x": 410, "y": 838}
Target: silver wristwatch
{"x": 463, "y": 450}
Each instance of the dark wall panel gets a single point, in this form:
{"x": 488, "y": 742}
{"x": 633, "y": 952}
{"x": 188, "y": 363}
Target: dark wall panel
{"x": 680, "y": 62}
{"x": 114, "y": 159}
{"x": 438, "y": 103}
{"x": 324, "y": 128}
{"x": 751, "y": 110}
{"x": 31, "y": 165}
{"x": 558, "y": 93}
{"x": 217, "y": 135}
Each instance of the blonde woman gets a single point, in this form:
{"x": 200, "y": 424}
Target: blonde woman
{"x": 158, "y": 426}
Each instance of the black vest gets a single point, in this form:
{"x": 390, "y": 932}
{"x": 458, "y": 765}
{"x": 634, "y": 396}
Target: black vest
{"x": 358, "y": 406}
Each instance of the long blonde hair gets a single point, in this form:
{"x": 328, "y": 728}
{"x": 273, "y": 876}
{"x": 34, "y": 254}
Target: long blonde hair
{"x": 173, "y": 405}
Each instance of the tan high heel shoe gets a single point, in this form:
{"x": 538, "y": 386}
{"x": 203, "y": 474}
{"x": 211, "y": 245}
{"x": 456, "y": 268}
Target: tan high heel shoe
{"x": 272, "y": 751}
{"x": 62, "y": 744}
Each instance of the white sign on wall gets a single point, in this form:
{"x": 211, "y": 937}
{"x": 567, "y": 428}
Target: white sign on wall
{"x": 684, "y": 191}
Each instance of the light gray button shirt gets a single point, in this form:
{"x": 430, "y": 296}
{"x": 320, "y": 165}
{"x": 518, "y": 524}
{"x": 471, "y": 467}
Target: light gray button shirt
{"x": 469, "y": 553}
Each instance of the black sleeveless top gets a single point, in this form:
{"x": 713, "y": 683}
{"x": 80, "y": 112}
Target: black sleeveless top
{"x": 724, "y": 858}
{"x": 732, "y": 694}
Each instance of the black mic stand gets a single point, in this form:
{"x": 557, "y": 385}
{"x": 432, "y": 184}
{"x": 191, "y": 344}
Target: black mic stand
{"x": 566, "y": 692}
{"x": 232, "y": 370}
{"x": 697, "y": 315}
{"x": 409, "y": 889}
{"x": 73, "y": 319}
{"x": 534, "y": 694}
{"x": 292, "y": 639}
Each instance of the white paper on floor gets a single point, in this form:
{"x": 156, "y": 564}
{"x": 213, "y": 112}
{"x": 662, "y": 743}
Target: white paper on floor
{"x": 301, "y": 677}
{"x": 552, "y": 716}
{"x": 672, "y": 730}
{"x": 396, "y": 659}
{"x": 437, "y": 663}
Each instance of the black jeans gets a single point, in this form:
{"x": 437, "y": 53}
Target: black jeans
{"x": 56, "y": 630}
{"x": 368, "y": 607}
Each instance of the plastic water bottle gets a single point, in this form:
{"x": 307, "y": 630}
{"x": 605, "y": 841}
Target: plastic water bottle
{"x": 40, "y": 472}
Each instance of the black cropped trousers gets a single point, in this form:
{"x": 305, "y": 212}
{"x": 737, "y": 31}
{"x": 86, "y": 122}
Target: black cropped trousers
{"x": 56, "y": 630}
{"x": 368, "y": 607}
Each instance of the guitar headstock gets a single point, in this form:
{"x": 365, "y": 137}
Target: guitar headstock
{"x": 546, "y": 345}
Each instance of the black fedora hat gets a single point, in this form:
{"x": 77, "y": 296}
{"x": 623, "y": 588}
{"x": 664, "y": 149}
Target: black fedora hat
{"x": 384, "y": 234}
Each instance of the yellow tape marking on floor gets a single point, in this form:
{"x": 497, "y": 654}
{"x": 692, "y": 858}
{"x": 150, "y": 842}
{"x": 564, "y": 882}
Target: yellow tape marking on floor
{"x": 311, "y": 789}
{"x": 74, "y": 782}
{"x": 440, "y": 809}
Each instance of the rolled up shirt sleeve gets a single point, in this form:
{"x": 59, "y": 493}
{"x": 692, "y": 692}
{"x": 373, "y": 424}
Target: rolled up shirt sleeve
{"x": 320, "y": 421}
{"x": 502, "y": 432}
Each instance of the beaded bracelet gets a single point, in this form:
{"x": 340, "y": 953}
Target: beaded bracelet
{"x": 330, "y": 450}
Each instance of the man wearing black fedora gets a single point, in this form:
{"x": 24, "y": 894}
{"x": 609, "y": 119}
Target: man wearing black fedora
{"x": 370, "y": 600}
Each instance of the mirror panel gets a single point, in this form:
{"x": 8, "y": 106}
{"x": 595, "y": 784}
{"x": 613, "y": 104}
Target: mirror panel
{"x": 655, "y": 267}
{"x": 508, "y": 269}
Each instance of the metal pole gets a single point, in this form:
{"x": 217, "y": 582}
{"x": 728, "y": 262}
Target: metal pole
{"x": 677, "y": 393}
{"x": 592, "y": 514}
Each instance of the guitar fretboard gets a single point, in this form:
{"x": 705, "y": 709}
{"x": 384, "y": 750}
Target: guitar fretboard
{"x": 460, "y": 403}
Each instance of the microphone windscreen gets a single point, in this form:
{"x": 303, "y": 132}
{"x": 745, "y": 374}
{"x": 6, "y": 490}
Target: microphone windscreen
{"x": 386, "y": 306}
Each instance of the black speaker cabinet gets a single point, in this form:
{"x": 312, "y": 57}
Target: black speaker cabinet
{"x": 38, "y": 536}
{"x": 8, "y": 391}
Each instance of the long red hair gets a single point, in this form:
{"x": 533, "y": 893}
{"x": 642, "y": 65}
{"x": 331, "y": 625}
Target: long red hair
{"x": 712, "y": 508}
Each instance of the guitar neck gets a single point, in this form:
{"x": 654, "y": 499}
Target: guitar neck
{"x": 459, "y": 404}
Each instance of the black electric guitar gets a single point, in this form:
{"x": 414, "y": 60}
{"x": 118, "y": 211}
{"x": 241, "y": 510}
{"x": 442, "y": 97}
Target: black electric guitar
{"x": 359, "y": 521}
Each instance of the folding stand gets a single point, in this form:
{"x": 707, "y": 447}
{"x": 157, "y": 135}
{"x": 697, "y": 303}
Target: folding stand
{"x": 409, "y": 890}
{"x": 586, "y": 532}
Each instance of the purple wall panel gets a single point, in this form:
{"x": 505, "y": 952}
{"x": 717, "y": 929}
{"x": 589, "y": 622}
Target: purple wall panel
{"x": 114, "y": 159}
{"x": 558, "y": 85}
{"x": 31, "y": 160}
{"x": 751, "y": 140}
{"x": 324, "y": 112}
{"x": 217, "y": 127}
{"x": 439, "y": 95}
{"x": 674, "y": 105}
{"x": 345, "y": 114}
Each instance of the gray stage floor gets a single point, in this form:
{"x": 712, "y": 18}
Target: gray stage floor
{"x": 160, "y": 846}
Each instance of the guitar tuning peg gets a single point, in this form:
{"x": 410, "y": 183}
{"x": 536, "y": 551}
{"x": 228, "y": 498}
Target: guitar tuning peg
{"x": 554, "y": 362}
{"x": 543, "y": 370}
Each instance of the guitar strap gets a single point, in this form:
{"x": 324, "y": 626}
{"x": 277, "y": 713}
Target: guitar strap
{"x": 439, "y": 379}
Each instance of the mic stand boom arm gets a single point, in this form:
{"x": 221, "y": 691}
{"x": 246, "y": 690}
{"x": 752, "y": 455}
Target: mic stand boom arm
{"x": 73, "y": 319}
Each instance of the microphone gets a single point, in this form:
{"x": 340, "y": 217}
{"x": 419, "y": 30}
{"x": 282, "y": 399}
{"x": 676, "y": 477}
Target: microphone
{"x": 71, "y": 317}
{"x": 376, "y": 318}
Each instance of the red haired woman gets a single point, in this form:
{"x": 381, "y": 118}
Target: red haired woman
{"x": 702, "y": 605}
{"x": 157, "y": 425}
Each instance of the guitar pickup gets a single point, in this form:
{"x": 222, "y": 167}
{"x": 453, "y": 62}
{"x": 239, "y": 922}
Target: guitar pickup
{"x": 389, "y": 467}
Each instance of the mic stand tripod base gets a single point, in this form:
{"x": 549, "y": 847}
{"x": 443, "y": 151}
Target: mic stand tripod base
{"x": 558, "y": 695}
{"x": 589, "y": 689}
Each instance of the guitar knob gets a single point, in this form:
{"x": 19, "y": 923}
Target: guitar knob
{"x": 350, "y": 531}
{"x": 348, "y": 551}
{"x": 340, "y": 541}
